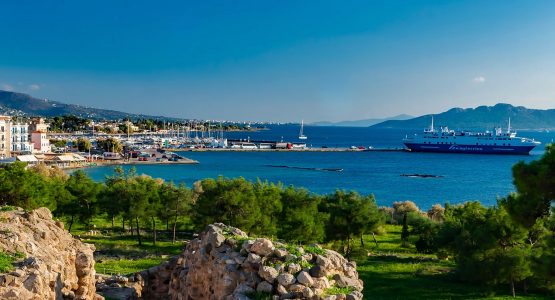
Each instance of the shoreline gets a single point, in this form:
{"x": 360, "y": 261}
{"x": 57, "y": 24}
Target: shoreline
{"x": 184, "y": 161}
{"x": 286, "y": 150}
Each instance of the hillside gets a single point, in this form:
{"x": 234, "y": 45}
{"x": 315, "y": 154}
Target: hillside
{"x": 482, "y": 117}
{"x": 18, "y": 104}
{"x": 361, "y": 123}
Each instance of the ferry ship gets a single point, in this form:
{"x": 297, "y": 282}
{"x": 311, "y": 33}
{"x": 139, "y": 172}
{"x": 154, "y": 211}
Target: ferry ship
{"x": 450, "y": 141}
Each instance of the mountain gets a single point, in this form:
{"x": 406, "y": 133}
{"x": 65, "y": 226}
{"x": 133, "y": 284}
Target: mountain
{"x": 18, "y": 104}
{"x": 481, "y": 117}
{"x": 361, "y": 123}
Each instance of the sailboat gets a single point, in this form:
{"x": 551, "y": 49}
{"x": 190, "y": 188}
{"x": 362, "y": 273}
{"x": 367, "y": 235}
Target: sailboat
{"x": 301, "y": 135}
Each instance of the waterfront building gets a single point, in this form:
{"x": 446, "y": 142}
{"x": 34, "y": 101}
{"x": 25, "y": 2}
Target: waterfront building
{"x": 20, "y": 138}
{"x": 38, "y": 129}
{"x": 5, "y": 141}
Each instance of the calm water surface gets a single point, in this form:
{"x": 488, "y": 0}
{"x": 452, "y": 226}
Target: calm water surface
{"x": 464, "y": 177}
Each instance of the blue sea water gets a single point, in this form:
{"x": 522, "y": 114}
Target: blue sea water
{"x": 464, "y": 176}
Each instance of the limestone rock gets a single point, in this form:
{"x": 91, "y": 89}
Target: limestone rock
{"x": 293, "y": 268}
{"x": 286, "y": 279}
{"x": 318, "y": 271}
{"x": 268, "y": 273}
{"x": 55, "y": 263}
{"x": 305, "y": 279}
{"x": 262, "y": 247}
{"x": 264, "y": 287}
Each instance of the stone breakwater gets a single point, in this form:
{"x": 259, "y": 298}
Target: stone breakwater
{"x": 224, "y": 263}
{"x": 53, "y": 264}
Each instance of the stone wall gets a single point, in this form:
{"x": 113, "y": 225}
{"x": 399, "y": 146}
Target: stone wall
{"x": 54, "y": 264}
{"x": 224, "y": 263}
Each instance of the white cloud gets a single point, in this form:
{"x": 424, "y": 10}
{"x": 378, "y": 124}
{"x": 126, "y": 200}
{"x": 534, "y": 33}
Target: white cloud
{"x": 6, "y": 87}
{"x": 479, "y": 79}
{"x": 34, "y": 87}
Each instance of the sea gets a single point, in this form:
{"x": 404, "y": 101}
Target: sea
{"x": 456, "y": 177}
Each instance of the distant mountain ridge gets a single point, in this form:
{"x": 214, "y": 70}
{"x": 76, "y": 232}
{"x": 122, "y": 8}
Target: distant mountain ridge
{"x": 19, "y": 104}
{"x": 481, "y": 117}
{"x": 361, "y": 123}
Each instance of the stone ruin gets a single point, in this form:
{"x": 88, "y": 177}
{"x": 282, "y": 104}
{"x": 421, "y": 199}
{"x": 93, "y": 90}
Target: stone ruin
{"x": 224, "y": 263}
{"x": 53, "y": 264}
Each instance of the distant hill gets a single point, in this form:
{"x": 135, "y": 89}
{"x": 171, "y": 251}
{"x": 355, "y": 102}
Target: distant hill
{"x": 361, "y": 123}
{"x": 18, "y": 104}
{"x": 482, "y": 117}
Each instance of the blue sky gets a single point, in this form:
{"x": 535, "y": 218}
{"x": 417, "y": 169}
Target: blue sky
{"x": 280, "y": 60}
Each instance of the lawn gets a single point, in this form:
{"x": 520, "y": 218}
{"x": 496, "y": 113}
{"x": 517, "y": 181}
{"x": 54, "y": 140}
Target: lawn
{"x": 388, "y": 270}
{"x": 392, "y": 272}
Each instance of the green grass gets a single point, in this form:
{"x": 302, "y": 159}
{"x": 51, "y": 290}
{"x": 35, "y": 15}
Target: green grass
{"x": 314, "y": 250}
{"x": 259, "y": 296}
{"x": 7, "y": 208}
{"x": 127, "y": 266}
{"x": 337, "y": 290}
{"x": 392, "y": 272}
{"x": 120, "y": 253}
{"x": 388, "y": 270}
{"x": 6, "y": 262}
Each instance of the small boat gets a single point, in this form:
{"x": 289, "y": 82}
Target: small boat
{"x": 301, "y": 134}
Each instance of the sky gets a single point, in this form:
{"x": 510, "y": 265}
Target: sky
{"x": 280, "y": 60}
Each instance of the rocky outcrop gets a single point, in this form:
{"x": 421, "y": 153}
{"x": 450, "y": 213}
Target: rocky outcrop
{"x": 224, "y": 263}
{"x": 53, "y": 264}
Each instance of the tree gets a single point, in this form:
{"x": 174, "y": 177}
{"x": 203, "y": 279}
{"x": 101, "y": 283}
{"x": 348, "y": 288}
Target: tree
{"x": 268, "y": 197}
{"x": 405, "y": 232}
{"x": 83, "y": 144}
{"x": 402, "y": 208}
{"x": 176, "y": 201}
{"x": 83, "y": 203}
{"x": 109, "y": 145}
{"x": 350, "y": 215}
{"x": 436, "y": 213}
{"x": 23, "y": 188}
{"x": 59, "y": 143}
{"x": 300, "y": 219}
{"x": 488, "y": 246}
{"x": 229, "y": 201}
{"x": 532, "y": 207}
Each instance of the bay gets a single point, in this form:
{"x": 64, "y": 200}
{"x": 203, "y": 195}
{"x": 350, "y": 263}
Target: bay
{"x": 464, "y": 177}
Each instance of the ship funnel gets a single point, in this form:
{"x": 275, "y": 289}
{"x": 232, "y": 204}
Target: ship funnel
{"x": 509, "y": 126}
{"x": 432, "y": 125}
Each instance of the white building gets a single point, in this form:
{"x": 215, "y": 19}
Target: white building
{"x": 20, "y": 138}
{"x": 5, "y": 141}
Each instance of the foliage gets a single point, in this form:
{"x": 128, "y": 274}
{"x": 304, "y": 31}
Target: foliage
{"x": 109, "y": 145}
{"x": 24, "y": 188}
{"x": 334, "y": 290}
{"x": 58, "y": 143}
{"x": 6, "y": 262}
{"x": 259, "y": 296}
{"x": 68, "y": 124}
{"x": 83, "y": 144}
{"x": 7, "y": 208}
{"x": 300, "y": 219}
{"x": 350, "y": 215}
{"x": 83, "y": 197}
{"x": 230, "y": 201}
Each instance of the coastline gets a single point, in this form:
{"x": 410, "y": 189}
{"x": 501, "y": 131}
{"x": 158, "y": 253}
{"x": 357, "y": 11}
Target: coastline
{"x": 122, "y": 162}
{"x": 287, "y": 150}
